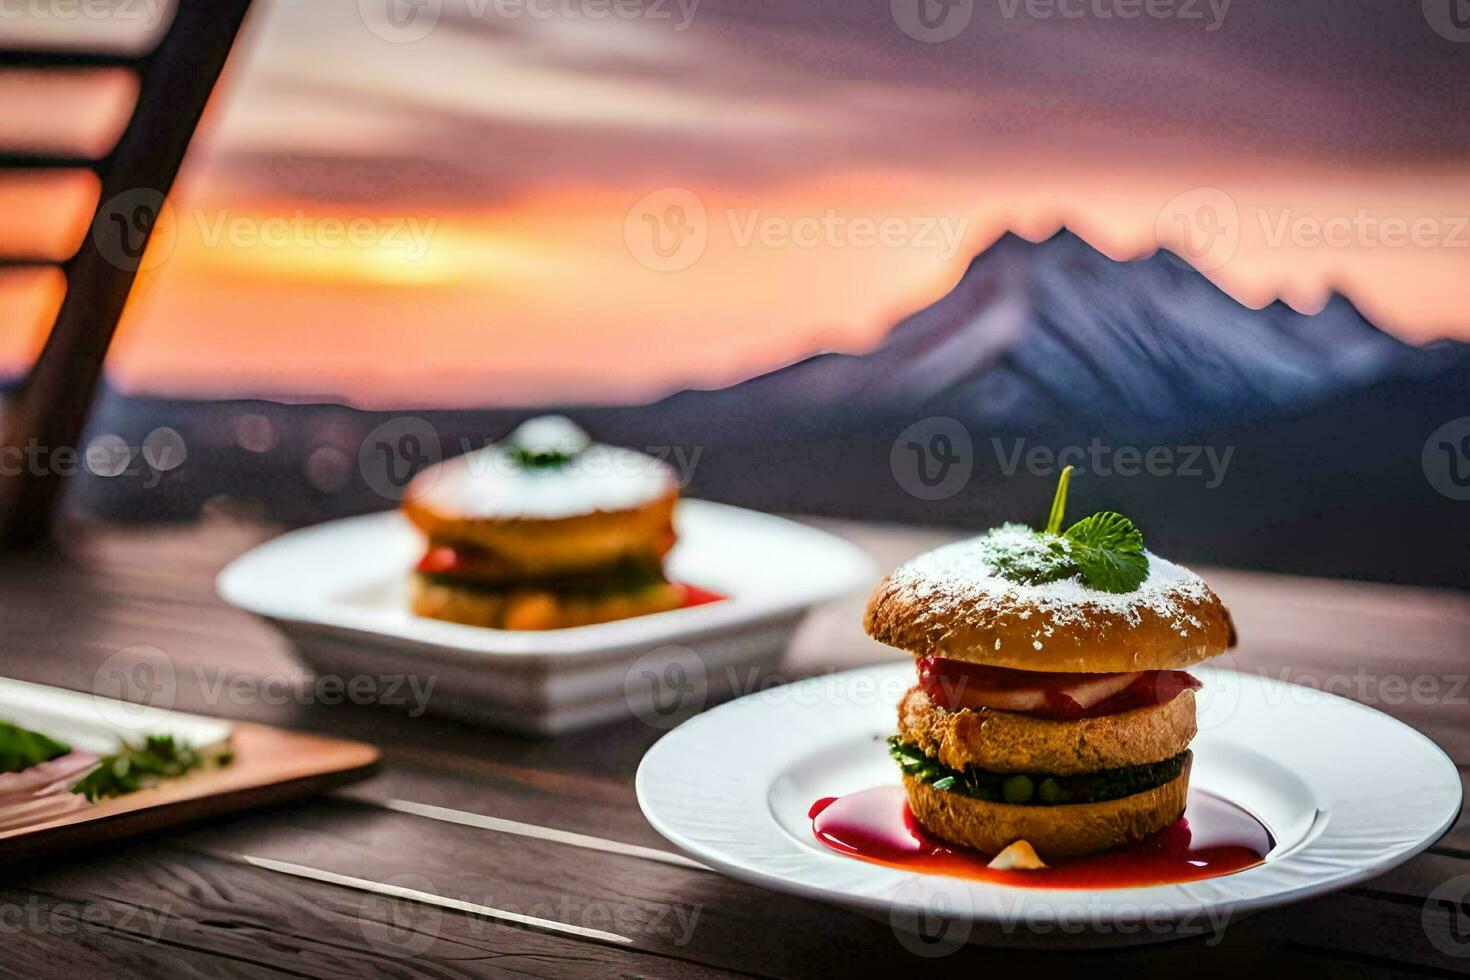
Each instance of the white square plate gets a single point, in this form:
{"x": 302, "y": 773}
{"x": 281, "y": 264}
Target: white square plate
{"x": 340, "y": 592}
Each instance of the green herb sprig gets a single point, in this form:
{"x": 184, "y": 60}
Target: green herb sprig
{"x": 21, "y": 748}
{"x": 1105, "y": 550}
{"x": 546, "y": 443}
{"x": 133, "y": 767}
{"x": 539, "y": 459}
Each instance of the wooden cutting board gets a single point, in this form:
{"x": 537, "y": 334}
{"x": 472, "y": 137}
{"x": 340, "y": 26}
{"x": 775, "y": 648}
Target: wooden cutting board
{"x": 271, "y": 765}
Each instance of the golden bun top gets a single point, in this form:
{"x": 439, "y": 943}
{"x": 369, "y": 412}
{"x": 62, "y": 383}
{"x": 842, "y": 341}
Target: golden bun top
{"x": 951, "y": 603}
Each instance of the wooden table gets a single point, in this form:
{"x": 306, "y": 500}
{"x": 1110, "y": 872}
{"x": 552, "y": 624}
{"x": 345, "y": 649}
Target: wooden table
{"x": 288, "y": 891}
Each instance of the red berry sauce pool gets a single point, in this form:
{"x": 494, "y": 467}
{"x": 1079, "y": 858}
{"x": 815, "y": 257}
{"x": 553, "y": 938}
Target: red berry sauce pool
{"x": 1213, "y": 838}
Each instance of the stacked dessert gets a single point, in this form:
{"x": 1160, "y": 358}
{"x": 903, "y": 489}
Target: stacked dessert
{"x": 1050, "y": 706}
{"x": 543, "y": 531}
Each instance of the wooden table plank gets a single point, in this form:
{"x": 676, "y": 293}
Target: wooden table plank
{"x": 224, "y": 918}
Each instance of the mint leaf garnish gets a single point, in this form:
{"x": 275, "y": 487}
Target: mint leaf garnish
{"x": 547, "y": 442}
{"x": 1022, "y": 555}
{"x": 531, "y": 459}
{"x": 1107, "y": 529}
{"x": 1105, "y": 550}
{"x": 1108, "y": 550}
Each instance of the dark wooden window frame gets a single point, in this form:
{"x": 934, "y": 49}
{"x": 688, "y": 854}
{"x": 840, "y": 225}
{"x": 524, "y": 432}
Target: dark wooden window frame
{"x": 50, "y": 407}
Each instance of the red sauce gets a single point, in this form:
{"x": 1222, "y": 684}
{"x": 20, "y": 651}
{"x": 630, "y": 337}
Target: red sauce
{"x": 1213, "y": 838}
{"x": 695, "y": 596}
{"x": 440, "y": 560}
{"x": 956, "y": 685}
{"x": 445, "y": 560}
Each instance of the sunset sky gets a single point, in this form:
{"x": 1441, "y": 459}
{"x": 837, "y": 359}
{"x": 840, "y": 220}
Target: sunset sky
{"x": 464, "y": 217}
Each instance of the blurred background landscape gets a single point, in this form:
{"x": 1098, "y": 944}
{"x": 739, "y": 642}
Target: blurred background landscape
{"x": 880, "y": 260}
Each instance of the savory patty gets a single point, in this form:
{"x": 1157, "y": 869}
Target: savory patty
{"x": 519, "y": 608}
{"x": 1003, "y": 741}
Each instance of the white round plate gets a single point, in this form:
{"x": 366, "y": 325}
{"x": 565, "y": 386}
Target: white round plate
{"x": 1347, "y": 793}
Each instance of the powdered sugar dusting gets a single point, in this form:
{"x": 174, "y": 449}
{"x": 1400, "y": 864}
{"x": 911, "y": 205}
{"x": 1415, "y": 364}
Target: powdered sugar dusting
{"x": 958, "y": 576}
{"x": 490, "y": 483}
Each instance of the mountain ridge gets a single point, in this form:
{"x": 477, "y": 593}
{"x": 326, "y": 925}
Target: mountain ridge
{"x": 1035, "y": 328}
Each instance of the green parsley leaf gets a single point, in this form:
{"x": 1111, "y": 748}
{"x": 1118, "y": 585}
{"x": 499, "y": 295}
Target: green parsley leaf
{"x": 21, "y": 748}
